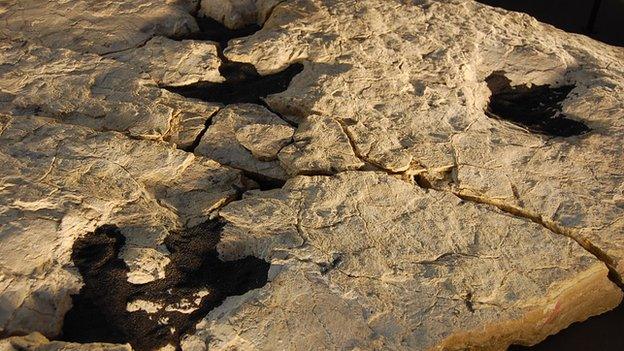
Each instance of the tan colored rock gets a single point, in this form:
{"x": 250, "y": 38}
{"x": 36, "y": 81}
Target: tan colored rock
{"x": 191, "y": 122}
{"x": 174, "y": 63}
{"x": 61, "y": 181}
{"x": 95, "y": 26}
{"x": 89, "y": 90}
{"x": 410, "y": 269}
{"x": 220, "y": 141}
{"x": 408, "y": 81}
{"x": 320, "y": 146}
{"x": 238, "y": 13}
{"x": 38, "y": 342}
{"x": 264, "y": 140}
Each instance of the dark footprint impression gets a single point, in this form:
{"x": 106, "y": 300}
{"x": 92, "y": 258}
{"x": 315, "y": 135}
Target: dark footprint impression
{"x": 196, "y": 282}
{"x": 536, "y": 108}
{"x": 243, "y": 83}
{"x": 212, "y": 30}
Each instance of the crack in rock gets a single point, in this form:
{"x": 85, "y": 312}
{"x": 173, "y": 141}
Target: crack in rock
{"x": 536, "y": 108}
{"x": 149, "y": 316}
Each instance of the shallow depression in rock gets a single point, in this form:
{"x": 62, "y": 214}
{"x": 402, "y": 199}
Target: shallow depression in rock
{"x": 536, "y": 108}
{"x": 148, "y": 316}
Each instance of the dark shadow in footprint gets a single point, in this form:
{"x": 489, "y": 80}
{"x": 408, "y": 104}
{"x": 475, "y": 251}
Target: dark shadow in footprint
{"x": 243, "y": 85}
{"x": 196, "y": 281}
{"x": 536, "y": 108}
{"x": 212, "y": 30}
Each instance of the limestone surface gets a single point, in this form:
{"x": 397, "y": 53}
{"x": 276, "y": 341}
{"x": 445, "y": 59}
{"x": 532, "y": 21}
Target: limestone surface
{"x": 320, "y": 146}
{"x": 414, "y": 215}
{"x": 95, "y": 26}
{"x": 172, "y": 63}
{"x": 38, "y": 342}
{"x": 225, "y": 140}
{"x": 410, "y": 269}
{"x": 61, "y": 181}
{"x": 89, "y": 90}
{"x": 409, "y": 83}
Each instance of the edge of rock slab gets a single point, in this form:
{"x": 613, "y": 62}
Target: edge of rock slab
{"x": 588, "y": 295}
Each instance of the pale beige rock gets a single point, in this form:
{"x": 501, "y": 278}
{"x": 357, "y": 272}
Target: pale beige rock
{"x": 61, "y": 181}
{"x": 360, "y": 260}
{"x": 89, "y": 90}
{"x": 409, "y": 80}
{"x": 221, "y": 144}
{"x": 265, "y": 140}
{"x": 320, "y": 147}
{"x": 38, "y": 342}
{"x": 373, "y": 262}
{"x": 238, "y": 13}
{"x": 175, "y": 63}
{"x": 95, "y": 26}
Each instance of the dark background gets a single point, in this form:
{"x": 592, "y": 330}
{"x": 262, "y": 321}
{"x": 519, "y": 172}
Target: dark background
{"x": 573, "y": 16}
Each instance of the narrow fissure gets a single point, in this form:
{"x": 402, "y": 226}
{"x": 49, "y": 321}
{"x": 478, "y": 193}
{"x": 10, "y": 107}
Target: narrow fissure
{"x": 152, "y": 315}
{"x": 198, "y": 138}
{"x": 536, "y": 108}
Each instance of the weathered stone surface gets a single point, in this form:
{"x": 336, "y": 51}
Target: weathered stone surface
{"x": 410, "y": 269}
{"x": 360, "y": 260}
{"x": 320, "y": 146}
{"x": 89, "y": 90}
{"x": 410, "y": 80}
{"x": 238, "y": 13}
{"x": 265, "y": 140}
{"x": 61, "y": 181}
{"x": 94, "y": 26}
{"x": 220, "y": 141}
{"x": 38, "y": 342}
{"x": 174, "y": 63}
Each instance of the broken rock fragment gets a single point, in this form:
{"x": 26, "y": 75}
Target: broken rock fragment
{"x": 89, "y": 90}
{"x": 221, "y": 140}
{"x": 174, "y": 63}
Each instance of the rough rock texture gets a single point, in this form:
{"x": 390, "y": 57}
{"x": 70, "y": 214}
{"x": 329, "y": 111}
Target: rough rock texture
{"x": 320, "y": 146}
{"x": 89, "y": 90}
{"x": 94, "y": 25}
{"x": 221, "y": 140}
{"x": 410, "y": 82}
{"x": 61, "y": 181}
{"x": 238, "y": 13}
{"x": 38, "y": 342}
{"x": 411, "y": 269}
{"x": 474, "y": 231}
{"x": 173, "y": 63}
{"x": 264, "y": 140}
